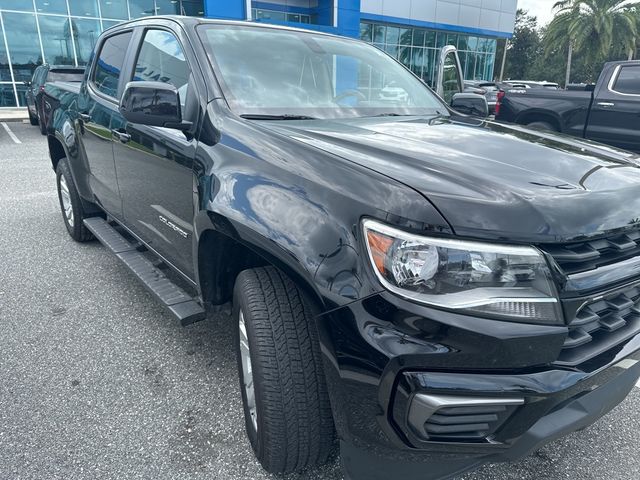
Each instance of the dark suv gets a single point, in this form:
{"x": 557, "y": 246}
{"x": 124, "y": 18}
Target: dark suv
{"x": 489, "y": 89}
{"x": 432, "y": 290}
{"x": 41, "y": 75}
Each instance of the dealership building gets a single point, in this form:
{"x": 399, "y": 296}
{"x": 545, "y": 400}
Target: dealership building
{"x": 65, "y": 31}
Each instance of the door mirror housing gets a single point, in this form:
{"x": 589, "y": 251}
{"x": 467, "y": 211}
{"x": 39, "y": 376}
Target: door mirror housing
{"x": 470, "y": 104}
{"x": 155, "y": 104}
{"x": 27, "y": 82}
{"x": 449, "y": 77}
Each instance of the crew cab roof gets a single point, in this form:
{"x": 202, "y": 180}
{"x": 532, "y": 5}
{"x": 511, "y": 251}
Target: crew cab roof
{"x": 623, "y": 62}
{"x": 194, "y": 21}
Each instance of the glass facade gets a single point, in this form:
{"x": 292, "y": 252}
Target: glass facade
{"x": 279, "y": 16}
{"x": 63, "y": 32}
{"x": 418, "y": 49}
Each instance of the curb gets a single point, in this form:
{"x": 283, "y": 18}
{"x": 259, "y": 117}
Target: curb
{"x": 13, "y": 114}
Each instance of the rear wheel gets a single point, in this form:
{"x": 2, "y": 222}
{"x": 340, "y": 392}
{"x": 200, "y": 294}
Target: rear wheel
{"x": 542, "y": 126}
{"x": 70, "y": 204}
{"x": 33, "y": 120}
{"x": 286, "y": 405}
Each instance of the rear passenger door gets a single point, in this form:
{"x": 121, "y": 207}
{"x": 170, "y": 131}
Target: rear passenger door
{"x": 155, "y": 164}
{"x": 97, "y": 104}
{"x": 615, "y": 115}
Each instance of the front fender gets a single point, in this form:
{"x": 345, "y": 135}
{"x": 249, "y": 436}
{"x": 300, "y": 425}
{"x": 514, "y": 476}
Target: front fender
{"x": 301, "y": 207}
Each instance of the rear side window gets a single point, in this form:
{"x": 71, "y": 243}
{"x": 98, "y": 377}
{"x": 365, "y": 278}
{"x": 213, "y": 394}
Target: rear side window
{"x": 109, "y": 64}
{"x": 628, "y": 81}
{"x": 161, "y": 59}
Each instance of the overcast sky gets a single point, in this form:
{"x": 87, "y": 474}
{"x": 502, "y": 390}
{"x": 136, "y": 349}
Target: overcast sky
{"x": 540, "y": 8}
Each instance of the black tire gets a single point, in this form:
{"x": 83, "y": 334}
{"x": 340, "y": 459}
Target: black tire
{"x": 542, "y": 126}
{"x": 32, "y": 119}
{"x": 75, "y": 227}
{"x": 43, "y": 127}
{"x": 294, "y": 420}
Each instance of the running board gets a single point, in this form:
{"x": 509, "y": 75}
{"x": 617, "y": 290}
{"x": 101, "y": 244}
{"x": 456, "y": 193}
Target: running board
{"x": 184, "y": 307}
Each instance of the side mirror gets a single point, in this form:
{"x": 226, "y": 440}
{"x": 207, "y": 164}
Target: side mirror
{"x": 27, "y": 82}
{"x": 470, "y": 104}
{"x": 155, "y": 104}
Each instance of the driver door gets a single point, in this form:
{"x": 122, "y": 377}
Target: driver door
{"x": 155, "y": 164}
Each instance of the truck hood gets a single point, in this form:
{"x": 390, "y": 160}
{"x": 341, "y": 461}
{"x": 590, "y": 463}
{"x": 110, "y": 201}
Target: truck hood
{"x": 491, "y": 180}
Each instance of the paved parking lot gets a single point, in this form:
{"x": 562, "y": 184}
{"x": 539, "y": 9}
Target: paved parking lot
{"x": 98, "y": 382}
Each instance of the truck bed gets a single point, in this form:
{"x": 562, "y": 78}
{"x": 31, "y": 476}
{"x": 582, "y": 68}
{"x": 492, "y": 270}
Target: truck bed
{"x": 570, "y": 109}
{"x": 58, "y": 96}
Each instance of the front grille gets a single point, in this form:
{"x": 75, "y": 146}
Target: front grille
{"x": 583, "y": 256}
{"x": 469, "y": 423}
{"x": 600, "y": 326}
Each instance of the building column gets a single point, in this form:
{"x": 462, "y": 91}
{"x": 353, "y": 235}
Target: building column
{"x": 226, "y": 9}
{"x": 348, "y": 17}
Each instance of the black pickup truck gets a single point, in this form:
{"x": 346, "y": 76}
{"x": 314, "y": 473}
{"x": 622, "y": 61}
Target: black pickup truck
{"x": 432, "y": 290}
{"x": 607, "y": 112}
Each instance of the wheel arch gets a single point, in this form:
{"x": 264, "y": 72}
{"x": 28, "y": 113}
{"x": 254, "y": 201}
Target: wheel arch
{"x": 222, "y": 253}
{"x": 57, "y": 151}
{"x": 541, "y": 116}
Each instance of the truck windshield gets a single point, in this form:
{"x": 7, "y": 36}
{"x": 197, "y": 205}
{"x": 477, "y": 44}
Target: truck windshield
{"x": 285, "y": 73}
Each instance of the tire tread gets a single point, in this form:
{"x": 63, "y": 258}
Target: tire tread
{"x": 296, "y": 425}
{"x": 79, "y": 232}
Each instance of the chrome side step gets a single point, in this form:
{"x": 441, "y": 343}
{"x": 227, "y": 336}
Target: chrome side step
{"x": 183, "y": 306}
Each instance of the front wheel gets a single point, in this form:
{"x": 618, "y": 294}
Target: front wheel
{"x": 70, "y": 203}
{"x": 286, "y": 404}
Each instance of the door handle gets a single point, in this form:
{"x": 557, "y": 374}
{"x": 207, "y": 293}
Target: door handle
{"x": 122, "y": 136}
{"x": 85, "y": 117}
{"x": 606, "y": 104}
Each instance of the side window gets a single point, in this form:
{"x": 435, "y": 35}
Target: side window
{"x": 161, "y": 59}
{"x": 109, "y": 64}
{"x": 628, "y": 81}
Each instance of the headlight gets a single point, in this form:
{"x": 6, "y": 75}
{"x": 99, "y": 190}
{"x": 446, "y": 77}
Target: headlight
{"x": 492, "y": 280}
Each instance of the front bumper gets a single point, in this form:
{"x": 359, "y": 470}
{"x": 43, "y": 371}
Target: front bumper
{"x": 384, "y": 352}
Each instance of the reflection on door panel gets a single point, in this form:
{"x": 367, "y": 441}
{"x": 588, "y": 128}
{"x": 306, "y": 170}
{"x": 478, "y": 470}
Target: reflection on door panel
{"x": 154, "y": 164}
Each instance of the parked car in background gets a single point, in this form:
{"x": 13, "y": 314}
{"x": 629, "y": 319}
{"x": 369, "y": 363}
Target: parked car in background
{"x": 41, "y": 75}
{"x": 488, "y": 89}
{"x": 534, "y": 84}
{"x": 391, "y": 93}
{"x": 608, "y": 112}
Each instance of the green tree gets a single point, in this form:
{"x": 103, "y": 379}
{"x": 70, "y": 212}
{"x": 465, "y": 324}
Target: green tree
{"x": 594, "y": 28}
{"x": 523, "y": 48}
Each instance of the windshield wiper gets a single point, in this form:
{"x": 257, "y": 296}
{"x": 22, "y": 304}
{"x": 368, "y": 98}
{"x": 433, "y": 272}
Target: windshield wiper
{"x": 392, "y": 114}
{"x": 260, "y": 116}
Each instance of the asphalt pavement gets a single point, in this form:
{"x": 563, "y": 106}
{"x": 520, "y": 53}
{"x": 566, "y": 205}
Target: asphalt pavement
{"x": 97, "y": 381}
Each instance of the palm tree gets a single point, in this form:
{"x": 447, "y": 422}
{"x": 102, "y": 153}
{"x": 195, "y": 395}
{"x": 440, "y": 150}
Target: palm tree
{"x": 593, "y": 26}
